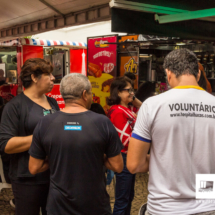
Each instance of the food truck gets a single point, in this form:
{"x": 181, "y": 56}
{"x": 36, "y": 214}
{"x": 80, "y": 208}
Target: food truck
{"x": 66, "y": 57}
{"x": 143, "y": 55}
{"x": 149, "y": 52}
{"x": 111, "y": 56}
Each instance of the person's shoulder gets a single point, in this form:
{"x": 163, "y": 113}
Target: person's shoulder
{"x": 52, "y": 116}
{"x": 207, "y": 94}
{"x": 48, "y": 120}
{"x": 115, "y": 112}
{"x": 16, "y": 101}
{"x": 51, "y": 99}
{"x": 207, "y": 97}
{"x": 160, "y": 97}
{"x": 97, "y": 116}
{"x": 116, "y": 109}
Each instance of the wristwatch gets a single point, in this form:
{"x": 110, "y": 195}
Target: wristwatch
{"x": 134, "y": 98}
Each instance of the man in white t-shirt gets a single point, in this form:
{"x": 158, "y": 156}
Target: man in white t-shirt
{"x": 179, "y": 127}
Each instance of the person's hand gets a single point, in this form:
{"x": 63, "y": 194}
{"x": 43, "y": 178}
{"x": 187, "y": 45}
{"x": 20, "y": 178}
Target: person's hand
{"x": 135, "y": 114}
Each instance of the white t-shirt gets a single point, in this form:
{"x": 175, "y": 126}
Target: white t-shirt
{"x": 180, "y": 124}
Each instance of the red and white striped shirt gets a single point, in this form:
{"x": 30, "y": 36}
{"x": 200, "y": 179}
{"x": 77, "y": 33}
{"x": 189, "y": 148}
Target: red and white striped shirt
{"x": 123, "y": 120}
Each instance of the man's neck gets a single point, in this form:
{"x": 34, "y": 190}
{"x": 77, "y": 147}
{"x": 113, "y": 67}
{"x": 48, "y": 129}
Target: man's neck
{"x": 187, "y": 80}
{"x": 74, "y": 107}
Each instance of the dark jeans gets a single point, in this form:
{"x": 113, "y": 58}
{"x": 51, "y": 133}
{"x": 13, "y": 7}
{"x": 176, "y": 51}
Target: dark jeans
{"x": 30, "y": 198}
{"x": 124, "y": 191}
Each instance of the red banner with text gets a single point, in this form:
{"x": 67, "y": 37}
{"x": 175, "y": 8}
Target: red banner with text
{"x": 55, "y": 93}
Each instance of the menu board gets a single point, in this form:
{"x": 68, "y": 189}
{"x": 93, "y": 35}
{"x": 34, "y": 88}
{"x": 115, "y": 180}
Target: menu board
{"x": 102, "y": 67}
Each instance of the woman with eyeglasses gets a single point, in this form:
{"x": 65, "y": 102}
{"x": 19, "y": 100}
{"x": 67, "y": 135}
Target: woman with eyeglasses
{"x": 120, "y": 114}
{"x": 19, "y": 119}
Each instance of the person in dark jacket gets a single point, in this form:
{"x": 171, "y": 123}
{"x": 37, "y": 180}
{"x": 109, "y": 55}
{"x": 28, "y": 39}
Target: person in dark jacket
{"x": 19, "y": 119}
{"x": 145, "y": 91}
{"x": 97, "y": 108}
{"x": 131, "y": 76}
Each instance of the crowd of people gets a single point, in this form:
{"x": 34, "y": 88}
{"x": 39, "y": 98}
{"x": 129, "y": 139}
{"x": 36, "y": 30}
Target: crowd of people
{"x": 58, "y": 159}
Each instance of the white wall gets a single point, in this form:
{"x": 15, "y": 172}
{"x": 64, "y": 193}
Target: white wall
{"x": 51, "y": 35}
{"x": 79, "y": 33}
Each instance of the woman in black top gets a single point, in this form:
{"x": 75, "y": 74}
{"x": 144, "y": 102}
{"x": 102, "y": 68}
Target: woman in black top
{"x": 19, "y": 118}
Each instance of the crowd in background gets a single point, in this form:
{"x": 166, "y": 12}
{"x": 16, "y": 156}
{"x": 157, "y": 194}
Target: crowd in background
{"x": 58, "y": 159}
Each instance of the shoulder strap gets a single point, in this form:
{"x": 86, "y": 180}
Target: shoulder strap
{"x": 53, "y": 102}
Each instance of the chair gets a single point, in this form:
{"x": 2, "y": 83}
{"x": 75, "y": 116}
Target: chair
{"x": 3, "y": 184}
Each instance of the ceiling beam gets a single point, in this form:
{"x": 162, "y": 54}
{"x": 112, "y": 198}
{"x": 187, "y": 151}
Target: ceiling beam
{"x": 185, "y": 16}
{"x": 90, "y": 15}
{"x": 129, "y": 5}
{"x": 51, "y": 7}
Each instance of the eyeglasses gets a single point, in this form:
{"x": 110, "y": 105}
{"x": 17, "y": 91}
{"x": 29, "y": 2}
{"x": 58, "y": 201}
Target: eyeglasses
{"x": 130, "y": 90}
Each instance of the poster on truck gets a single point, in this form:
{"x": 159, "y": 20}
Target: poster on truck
{"x": 102, "y": 67}
{"x": 129, "y": 63}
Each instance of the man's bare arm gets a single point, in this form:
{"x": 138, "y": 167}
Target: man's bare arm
{"x": 137, "y": 157}
{"x": 37, "y": 165}
{"x": 114, "y": 163}
{"x": 18, "y": 144}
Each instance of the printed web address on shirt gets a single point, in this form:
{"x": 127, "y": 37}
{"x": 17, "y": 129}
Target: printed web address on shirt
{"x": 212, "y": 116}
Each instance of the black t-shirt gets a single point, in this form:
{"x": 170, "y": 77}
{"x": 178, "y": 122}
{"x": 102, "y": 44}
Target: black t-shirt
{"x": 35, "y": 114}
{"x": 75, "y": 145}
{"x": 11, "y": 121}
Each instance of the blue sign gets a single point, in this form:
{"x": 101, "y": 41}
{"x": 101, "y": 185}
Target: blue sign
{"x": 72, "y": 127}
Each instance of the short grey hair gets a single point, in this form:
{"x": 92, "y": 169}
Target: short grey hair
{"x": 73, "y": 85}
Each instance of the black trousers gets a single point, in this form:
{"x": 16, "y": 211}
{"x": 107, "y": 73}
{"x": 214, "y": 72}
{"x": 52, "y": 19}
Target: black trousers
{"x": 30, "y": 198}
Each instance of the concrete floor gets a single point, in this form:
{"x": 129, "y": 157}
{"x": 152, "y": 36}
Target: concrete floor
{"x": 141, "y": 193}
{"x": 5, "y": 196}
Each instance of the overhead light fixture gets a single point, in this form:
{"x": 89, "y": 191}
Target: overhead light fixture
{"x": 129, "y": 5}
{"x": 181, "y": 44}
{"x": 171, "y": 14}
{"x": 185, "y": 16}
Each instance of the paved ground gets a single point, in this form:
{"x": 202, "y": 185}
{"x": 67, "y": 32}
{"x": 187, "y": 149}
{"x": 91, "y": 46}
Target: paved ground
{"x": 141, "y": 192}
{"x": 140, "y": 196}
{"x": 5, "y": 196}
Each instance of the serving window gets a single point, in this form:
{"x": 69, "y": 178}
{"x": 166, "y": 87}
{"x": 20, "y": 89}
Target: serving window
{"x": 59, "y": 59}
{"x": 8, "y": 65}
